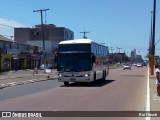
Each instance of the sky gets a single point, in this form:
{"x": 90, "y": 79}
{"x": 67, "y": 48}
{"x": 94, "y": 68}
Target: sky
{"x": 121, "y": 24}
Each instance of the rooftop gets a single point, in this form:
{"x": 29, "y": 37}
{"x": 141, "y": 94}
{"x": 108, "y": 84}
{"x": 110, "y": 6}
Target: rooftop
{"x": 2, "y": 38}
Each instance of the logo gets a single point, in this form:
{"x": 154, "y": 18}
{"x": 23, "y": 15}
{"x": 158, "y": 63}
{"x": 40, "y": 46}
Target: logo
{"x": 6, "y": 114}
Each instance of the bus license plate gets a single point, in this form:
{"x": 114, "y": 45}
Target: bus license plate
{"x": 72, "y": 79}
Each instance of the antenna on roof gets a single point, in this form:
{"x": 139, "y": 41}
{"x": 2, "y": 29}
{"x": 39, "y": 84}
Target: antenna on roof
{"x": 84, "y": 34}
{"x": 45, "y": 17}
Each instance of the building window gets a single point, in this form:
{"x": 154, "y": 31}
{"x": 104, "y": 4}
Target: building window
{"x": 36, "y": 33}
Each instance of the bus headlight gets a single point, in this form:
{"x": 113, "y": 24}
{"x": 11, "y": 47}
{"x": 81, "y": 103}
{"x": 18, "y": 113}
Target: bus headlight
{"x": 60, "y": 75}
{"x": 87, "y": 75}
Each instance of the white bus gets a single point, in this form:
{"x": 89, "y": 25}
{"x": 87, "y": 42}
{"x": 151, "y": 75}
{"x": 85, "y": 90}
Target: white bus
{"x": 82, "y": 60}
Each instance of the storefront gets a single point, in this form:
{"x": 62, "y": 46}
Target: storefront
{"x": 24, "y": 61}
{"x": 21, "y": 61}
{"x": 5, "y": 62}
{"x": 15, "y": 62}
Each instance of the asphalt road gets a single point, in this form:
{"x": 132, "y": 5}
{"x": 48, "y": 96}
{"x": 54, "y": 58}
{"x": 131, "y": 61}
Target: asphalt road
{"x": 123, "y": 90}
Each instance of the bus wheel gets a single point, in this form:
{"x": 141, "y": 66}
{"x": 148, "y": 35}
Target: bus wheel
{"x": 94, "y": 78}
{"x": 66, "y": 83}
{"x": 104, "y": 74}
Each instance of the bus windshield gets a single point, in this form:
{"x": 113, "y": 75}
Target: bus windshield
{"x": 74, "y": 47}
{"x": 74, "y": 62}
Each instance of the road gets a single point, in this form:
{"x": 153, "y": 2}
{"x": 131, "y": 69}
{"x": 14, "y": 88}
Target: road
{"x": 123, "y": 90}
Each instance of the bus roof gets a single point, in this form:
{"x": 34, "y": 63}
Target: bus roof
{"x": 76, "y": 41}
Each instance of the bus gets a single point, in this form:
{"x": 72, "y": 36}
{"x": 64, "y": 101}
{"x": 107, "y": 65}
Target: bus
{"x": 82, "y": 60}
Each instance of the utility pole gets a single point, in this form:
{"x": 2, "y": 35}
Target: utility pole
{"x": 150, "y": 41}
{"x": 42, "y": 25}
{"x": 153, "y": 40}
{"x": 119, "y": 49}
{"x": 112, "y": 50}
{"x": 84, "y": 34}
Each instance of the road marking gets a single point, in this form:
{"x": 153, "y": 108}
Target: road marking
{"x": 148, "y": 97}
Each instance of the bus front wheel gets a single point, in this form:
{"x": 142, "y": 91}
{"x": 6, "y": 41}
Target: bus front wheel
{"x": 94, "y": 77}
{"x": 104, "y": 74}
{"x": 66, "y": 83}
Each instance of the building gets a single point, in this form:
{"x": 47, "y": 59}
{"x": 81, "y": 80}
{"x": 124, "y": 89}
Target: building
{"x": 50, "y": 46}
{"x": 133, "y": 55}
{"x": 51, "y": 32}
{"x": 52, "y": 36}
{"x": 14, "y": 55}
{"x": 5, "y": 58}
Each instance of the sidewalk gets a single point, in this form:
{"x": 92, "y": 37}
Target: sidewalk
{"x": 154, "y": 99}
{"x": 13, "y": 78}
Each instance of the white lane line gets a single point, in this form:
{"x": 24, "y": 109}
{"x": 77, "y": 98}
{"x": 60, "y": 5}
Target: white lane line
{"x": 148, "y": 96}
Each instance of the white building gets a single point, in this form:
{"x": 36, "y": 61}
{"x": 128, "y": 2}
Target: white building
{"x": 50, "y": 45}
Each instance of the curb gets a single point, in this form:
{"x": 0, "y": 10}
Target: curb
{"x": 25, "y": 82}
{"x": 20, "y": 76}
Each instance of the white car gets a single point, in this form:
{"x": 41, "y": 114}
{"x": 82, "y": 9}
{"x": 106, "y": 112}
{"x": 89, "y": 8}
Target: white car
{"x": 126, "y": 66}
{"x": 139, "y": 65}
{"x": 134, "y": 64}
{"x": 49, "y": 66}
{"x": 42, "y": 67}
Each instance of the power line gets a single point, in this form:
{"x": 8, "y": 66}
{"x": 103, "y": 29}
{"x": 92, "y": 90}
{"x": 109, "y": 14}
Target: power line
{"x": 7, "y": 25}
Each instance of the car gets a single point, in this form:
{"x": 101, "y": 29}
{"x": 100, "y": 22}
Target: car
{"x": 42, "y": 66}
{"x": 139, "y": 65}
{"x": 126, "y": 66}
{"x": 134, "y": 64}
{"x": 144, "y": 64}
{"x": 50, "y": 66}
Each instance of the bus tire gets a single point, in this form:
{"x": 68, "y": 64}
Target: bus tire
{"x": 94, "y": 78}
{"x": 66, "y": 83}
{"x": 104, "y": 75}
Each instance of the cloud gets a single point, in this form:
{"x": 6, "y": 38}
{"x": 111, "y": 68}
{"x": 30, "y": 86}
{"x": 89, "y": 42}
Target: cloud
{"x": 7, "y": 27}
{"x": 11, "y": 23}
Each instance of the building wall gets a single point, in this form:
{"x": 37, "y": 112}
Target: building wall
{"x": 15, "y": 55}
{"x": 51, "y": 32}
{"x": 52, "y": 36}
{"x": 21, "y": 35}
{"x": 49, "y": 45}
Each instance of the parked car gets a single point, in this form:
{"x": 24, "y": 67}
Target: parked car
{"x": 126, "y": 66}
{"x": 43, "y": 66}
{"x": 50, "y": 66}
{"x": 139, "y": 65}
